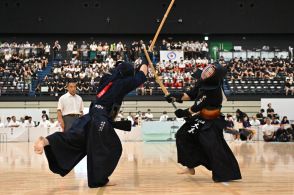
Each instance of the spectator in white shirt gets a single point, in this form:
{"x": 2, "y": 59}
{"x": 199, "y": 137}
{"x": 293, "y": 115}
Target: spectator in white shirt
{"x": 53, "y": 123}
{"x": 268, "y": 131}
{"x": 7, "y": 56}
{"x": 204, "y": 47}
{"x": 254, "y": 122}
{"x": 69, "y": 50}
{"x": 93, "y": 47}
{"x": 120, "y": 116}
{"x": 130, "y": 118}
{"x": 47, "y": 49}
{"x": 119, "y": 47}
{"x": 28, "y": 122}
{"x": 138, "y": 61}
{"x": 164, "y": 116}
{"x": 27, "y": 47}
{"x": 182, "y": 65}
{"x": 110, "y": 61}
{"x": 8, "y": 119}
{"x": 149, "y": 115}
{"x": 21, "y": 121}
{"x": 84, "y": 50}
{"x": 44, "y": 123}
{"x": 13, "y": 122}
{"x": 139, "y": 114}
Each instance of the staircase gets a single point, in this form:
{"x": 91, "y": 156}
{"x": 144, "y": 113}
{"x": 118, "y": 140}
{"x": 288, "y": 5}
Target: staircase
{"x": 41, "y": 75}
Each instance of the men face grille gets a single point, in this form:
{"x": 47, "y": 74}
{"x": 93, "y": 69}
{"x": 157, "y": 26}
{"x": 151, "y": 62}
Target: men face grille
{"x": 208, "y": 72}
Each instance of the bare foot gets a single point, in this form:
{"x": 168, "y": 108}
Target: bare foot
{"x": 187, "y": 171}
{"x": 39, "y": 145}
{"x": 110, "y": 184}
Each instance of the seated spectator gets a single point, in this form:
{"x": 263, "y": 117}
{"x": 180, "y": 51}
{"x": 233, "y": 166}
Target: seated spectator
{"x": 28, "y": 122}
{"x": 149, "y": 115}
{"x": 254, "y": 122}
{"x": 8, "y": 119}
{"x": 285, "y": 120}
{"x": 136, "y": 122}
{"x": 13, "y": 122}
{"x": 288, "y": 88}
{"x": 44, "y": 122}
{"x": 130, "y": 118}
{"x": 275, "y": 121}
{"x": 53, "y": 123}
{"x": 164, "y": 116}
{"x": 282, "y": 135}
{"x": 146, "y": 89}
{"x": 230, "y": 128}
{"x": 139, "y": 114}
{"x": 268, "y": 131}
{"x": 261, "y": 117}
{"x": 143, "y": 116}
{"x": 246, "y": 133}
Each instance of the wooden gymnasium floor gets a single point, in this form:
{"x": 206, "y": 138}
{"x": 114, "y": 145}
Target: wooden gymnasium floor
{"x": 150, "y": 168}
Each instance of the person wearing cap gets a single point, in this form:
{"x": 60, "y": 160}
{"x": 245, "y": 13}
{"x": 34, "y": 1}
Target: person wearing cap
{"x": 200, "y": 140}
{"x": 93, "y": 134}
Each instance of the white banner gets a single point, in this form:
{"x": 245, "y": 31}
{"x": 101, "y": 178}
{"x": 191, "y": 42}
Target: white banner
{"x": 171, "y": 55}
{"x": 227, "y": 55}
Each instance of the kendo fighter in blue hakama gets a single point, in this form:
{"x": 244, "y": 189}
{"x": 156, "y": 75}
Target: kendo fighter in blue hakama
{"x": 93, "y": 134}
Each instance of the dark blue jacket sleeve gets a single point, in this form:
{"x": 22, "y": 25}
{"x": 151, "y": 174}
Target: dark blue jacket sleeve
{"x": 193, "y": 93}
{"x": 132, "y": 83}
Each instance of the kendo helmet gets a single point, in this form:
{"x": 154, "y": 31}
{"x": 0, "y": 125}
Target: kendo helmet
{"x": 125, "y": 69}
{"x": 212, "y": 76}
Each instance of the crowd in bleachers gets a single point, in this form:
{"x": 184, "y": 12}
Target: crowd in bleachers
{"x": 131, "y": 52}
{"x": 87, "y": 75}
{"x": 176, "y": 76}
{"x": 260, "y": 76}
{"x": 23, "y": 50}
{"x": 245, "y": 76}
{"x": 19, "y": 65}
{"x": 87, "y": 62}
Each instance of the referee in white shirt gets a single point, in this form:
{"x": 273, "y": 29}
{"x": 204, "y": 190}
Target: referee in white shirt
{"x": 70, "y": 106}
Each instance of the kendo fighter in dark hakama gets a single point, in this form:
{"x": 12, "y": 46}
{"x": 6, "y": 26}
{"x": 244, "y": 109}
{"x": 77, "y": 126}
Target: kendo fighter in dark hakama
{"x": 93, "y": 134}
{"x": 200, "y": 140}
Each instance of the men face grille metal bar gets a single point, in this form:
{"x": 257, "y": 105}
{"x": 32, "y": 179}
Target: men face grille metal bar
{"x": 208, "y": 72}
